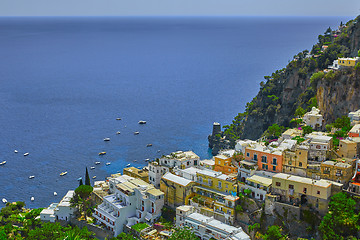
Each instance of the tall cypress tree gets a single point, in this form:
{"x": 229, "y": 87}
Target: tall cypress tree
{"x": 87, "y": 178}
{"x": 80, "y": 182}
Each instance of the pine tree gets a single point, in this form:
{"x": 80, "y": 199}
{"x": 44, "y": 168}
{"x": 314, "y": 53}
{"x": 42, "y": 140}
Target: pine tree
{"x": 87, "y": 178}
{"x": 80, "y": 182}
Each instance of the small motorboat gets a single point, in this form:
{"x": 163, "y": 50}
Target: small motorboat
{"x": 102, "y": 153}
{"x": 158, "y": 150}
{"x": 97, "y": 163}
{"x": 31, "y": 177}
{"x": 118, "y": 119}
{"x": 108, "y": 163}
{"x": 128, "y": 165}
{"x": 4, "y": 200}
{"x": 142, "y": 122}
{"x": 63, "y": 173}
{"x": 80, "y": 178}
{"x": 106, "y": 139}
{"x": 118, "y": 132}
{"x": 25, "y": 154}
{"x": 136, "y": 133}
{"x": 3, "y": 162}
{"x": 32, "y": 199}
{"x": 55, "y": 193}
{"x": 149, "y": 145}
{"x": 148, "y": 159}
{"x": 92, "y": 168}
{"x": 15, "y": 151}
{"x": 94, "y": 177}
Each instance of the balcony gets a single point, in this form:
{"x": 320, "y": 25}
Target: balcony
{"x": 103, "y": 221}
{"x": 112, "y": 215}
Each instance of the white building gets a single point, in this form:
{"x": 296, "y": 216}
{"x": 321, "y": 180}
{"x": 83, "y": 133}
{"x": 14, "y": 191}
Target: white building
{"x": 241, "y": 145}
{"x": 180, "y": 159}
{"x": 259, "y": 186}
{"x": 156, "y": 171}
{"x": 319, "y": 144}
{"x": 177, "y": 159}
{"x": 354, "y": 116}
{"x": 335, "y": 65}
{"x": 208, "y": 164}
{"x": 59, "y": 211}
{"x": 188, "y": 173}
{"x": 133, "y": 201}
{"x": 313, "y": 118}
{"x": 207, "y": 227}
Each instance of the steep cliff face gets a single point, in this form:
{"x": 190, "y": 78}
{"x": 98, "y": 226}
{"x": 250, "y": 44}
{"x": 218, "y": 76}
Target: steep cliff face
{"x": 288, "y": 89}
{"x": 339, "y": 96}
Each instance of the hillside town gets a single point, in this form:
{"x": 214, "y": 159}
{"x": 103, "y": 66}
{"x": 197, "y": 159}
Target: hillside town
{"x": 220, "y": 198}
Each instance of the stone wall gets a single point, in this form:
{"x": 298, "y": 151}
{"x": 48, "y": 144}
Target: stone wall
{"x": 289, "y": 212}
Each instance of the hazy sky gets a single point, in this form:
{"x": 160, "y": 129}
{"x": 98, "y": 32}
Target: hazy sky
{"x": 179, "y": 7}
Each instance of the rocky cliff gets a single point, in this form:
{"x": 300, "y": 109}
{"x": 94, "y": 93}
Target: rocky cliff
{"x": 298, "y": 86}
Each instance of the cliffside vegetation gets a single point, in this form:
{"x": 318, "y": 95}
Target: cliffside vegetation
{"x": 302, "y": 84}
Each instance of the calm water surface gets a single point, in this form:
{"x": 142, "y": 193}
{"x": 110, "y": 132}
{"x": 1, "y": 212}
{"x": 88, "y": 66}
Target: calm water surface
{"x": 64, "y": 81}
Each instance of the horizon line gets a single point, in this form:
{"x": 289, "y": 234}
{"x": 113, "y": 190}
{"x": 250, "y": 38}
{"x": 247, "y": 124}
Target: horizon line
{"x": 179, "y": 16}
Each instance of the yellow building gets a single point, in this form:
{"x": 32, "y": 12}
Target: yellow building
{"x": 142, "y": 174}
{"x": 224, "y": 164}
{"x": 295, "y": 162}
{"x": 216, "y": 193}
{"x": 303, "y": 191}
{"x": 337, "y": 171}
{"x": 177, "y": 189}
{"x": 347, "y": 148}
{"x": 348, "y": 62}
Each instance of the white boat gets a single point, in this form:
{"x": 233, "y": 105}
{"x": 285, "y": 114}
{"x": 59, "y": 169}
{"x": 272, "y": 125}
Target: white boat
{"x": 15, "y": 151}
{"x": 55, "y": 193}
{"x": 136, "y": 133}
{"x": 31, "y": 177}
{"x": 106, "y": 139}
{"x": 92, "y": 168}
{"x": 128, "y": 165}
{"x": 97, "y": 163}
{"x": 4, "y": 200}
{"x": 3, "y": 162}
{"x": 25, "y": 154}
{"x": 32, "y": 199}
{"x": 108, "y": 163}
{"x": 148, "y": 159}
{"x": 158, "y": 150}
{"x": 117, "y": 132}
{"x": 94, "y": 177}
{"x": 149, "y": 145}
{"x": 118, "y": 119}
{"x": 142, "y": 122}
{"x": 63, "y": 173}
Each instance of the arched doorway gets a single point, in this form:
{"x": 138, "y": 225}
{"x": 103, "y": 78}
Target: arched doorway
{"x": 303, "y": 200}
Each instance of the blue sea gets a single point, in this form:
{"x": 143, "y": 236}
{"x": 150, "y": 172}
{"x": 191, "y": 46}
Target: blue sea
{"x": 65, "y": 80}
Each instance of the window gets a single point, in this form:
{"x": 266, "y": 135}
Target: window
{"x": 255, "y": 156}
{"x": 278, "y": 184}
{"x": 318, "y": 192}
{"x": 274, "y": 168}
{"x": 263, "y": 166}
{"x": 187, "y": 163}
{"x": 300, "y": 164}
{"x": 264, "y": 159}
{"x": 299, "y": 153}
{"x": 226, "y": 185}
{"x": 266, "y": 167}
{"x": 291, "y": 186}
{"x": 304, "y": 190}
{"x": 274, "y": 161}
{"x": 248, "y": 154}
{"x": 219, "y": 184}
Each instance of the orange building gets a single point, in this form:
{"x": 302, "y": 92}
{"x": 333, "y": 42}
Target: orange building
{"x": 267, "y": 159}
{"x": 223, "y": 164}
